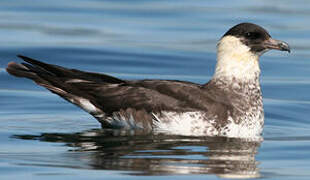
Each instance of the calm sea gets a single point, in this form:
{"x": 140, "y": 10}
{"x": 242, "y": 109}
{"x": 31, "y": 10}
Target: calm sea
{"x": 44, "y": 137}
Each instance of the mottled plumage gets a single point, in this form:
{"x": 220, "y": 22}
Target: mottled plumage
{"x": 230, "y": 104}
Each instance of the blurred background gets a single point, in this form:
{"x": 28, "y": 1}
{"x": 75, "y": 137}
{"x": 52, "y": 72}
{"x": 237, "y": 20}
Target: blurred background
{"x": 145, "y": 39}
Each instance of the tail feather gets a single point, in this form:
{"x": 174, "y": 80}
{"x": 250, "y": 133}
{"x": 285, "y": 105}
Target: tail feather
{"x": 54, "y": 79}
{"x": 20, "y": 70}
{"x": 41, "y": 73}
{"x": 68, "y": 73}
{"x": 28, "y": 71}
{"x": 37, "y": 69}
{"x": 47, "y": 68}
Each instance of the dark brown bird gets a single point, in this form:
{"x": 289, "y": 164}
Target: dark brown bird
{"x": 230, "y": 104}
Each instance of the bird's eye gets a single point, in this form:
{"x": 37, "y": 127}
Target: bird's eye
{"x": 252, "y": 35}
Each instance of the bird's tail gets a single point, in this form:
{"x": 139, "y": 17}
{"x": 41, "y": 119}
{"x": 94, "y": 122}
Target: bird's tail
{"x": 20, "y": 70}
{"x": 35, "y": 71}
{"x": 61, "y": 81}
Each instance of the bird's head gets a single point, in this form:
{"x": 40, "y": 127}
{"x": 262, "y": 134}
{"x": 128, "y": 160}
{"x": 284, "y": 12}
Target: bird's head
{"x": 240, "y": 48}
{"x": 254, "y": 38}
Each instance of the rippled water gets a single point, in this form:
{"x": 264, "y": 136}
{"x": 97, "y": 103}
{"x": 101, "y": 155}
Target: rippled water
{"x": 44, "y": 137}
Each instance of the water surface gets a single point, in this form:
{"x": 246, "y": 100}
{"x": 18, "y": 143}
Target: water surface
{"x": 44, "y": 137}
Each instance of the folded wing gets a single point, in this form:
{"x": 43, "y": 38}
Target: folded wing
{"x": 100, "y": 94}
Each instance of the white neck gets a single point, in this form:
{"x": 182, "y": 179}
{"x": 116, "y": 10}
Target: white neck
{"x": 236, "y": 61}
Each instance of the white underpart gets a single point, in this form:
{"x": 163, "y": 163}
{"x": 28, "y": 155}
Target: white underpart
{"x": 249, "y": 128}
{"x": 187, "y": 124}
{"x": 235, "y": 60}
{"x": 194, "y": 124}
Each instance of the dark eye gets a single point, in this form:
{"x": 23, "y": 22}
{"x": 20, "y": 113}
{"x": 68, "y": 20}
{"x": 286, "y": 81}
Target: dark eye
{"x": 252, "y": 35}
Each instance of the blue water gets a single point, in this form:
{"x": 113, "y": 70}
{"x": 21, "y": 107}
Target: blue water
{"x": 44, "y": 137}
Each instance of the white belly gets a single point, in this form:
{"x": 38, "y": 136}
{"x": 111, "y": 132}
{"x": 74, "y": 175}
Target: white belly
{"x": 195, "y": 124}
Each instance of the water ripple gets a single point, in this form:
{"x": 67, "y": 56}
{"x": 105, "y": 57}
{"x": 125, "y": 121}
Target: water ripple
{"x": 151, "y": 39}
{"x": 288, "y": 138}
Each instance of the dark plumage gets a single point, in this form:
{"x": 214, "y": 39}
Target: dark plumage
{"x": 148, "y": 104}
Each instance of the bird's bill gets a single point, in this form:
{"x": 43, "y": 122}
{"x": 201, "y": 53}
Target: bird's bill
{"x": 277, "y": 44}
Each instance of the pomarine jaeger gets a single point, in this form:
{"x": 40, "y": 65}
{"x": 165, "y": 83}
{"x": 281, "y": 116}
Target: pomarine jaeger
{"x": 229, "y": 105}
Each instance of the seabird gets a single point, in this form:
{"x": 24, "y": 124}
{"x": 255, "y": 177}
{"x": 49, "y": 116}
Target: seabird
{"x": 229, "y": 105}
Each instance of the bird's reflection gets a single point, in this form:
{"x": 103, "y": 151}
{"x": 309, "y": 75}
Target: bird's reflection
{"x": 161, "y": 154}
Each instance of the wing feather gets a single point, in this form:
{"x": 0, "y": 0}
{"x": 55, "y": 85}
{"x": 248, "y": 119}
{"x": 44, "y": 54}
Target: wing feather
{"x": 108, "y": 94}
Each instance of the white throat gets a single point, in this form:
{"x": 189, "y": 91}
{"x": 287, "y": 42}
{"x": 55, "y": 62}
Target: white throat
{"x": 235, "y": 60}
